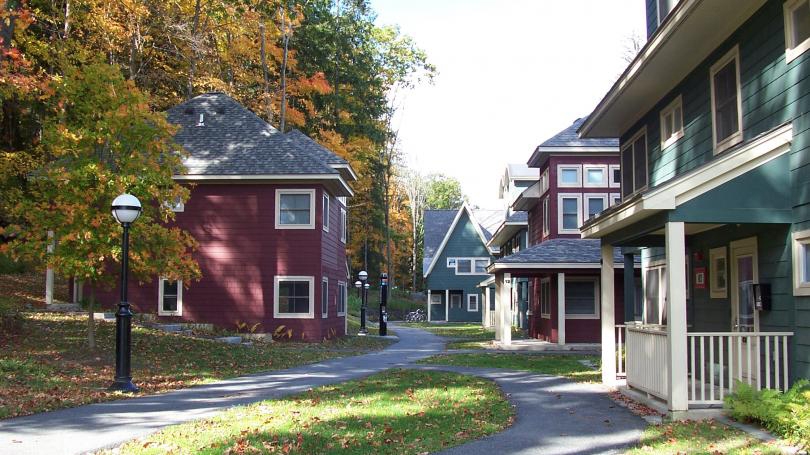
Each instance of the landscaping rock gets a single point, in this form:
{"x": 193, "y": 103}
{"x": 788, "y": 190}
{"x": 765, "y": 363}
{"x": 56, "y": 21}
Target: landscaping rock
{"x": 229, "y": 340}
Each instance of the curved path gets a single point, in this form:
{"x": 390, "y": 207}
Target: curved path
{"x": 554, "y": 415}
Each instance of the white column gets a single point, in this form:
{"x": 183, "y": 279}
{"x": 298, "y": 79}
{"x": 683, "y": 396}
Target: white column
{"x": 446, "y": 305}
{"x": 485, "y": 308}
{"x": 560, "y": 308}
{"x": 428, "y": 306}
{"x": 608, "y": 322}
{"x": 677, "y": 398}
{"x": 506, "y": 311}
{"x": 77, "y": 290}
{"x": 498, "y": 306}
{"x": 49, "y": 272}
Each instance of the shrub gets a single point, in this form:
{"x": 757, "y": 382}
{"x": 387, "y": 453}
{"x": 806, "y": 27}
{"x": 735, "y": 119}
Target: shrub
{"x": 786, "y": 414}
{"x": 10, "y": 318}
{"x": 8, "y": 265}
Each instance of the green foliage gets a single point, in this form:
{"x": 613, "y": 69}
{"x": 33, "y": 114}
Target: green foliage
{"x": 444, "y": 193}
{"x": 9, "y": 265}
{"x": 11, "y": 320}
{"x": 786, "y": 414}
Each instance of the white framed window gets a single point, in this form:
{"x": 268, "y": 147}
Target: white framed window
{"x": 436, "y": 299}
{"x": 325, "y": 212}
{"x": 294, "y": 297}
{"x": 615, "y": 174}
{"x": 615, "y": 199}
{"x": 594, "y": 176}
{"x": 482, "y": 264}
{"x": 634, "y": 164}
{"x": 664, "y": 7}
{"x": 546, "y": 222}
{"x": 797, "y": 28}
{"x": 451, "y": 262}
{"x": 464, "y": 266}
{"x": 295, "y": 209}
{"x": 569, "y": 207}
{"x": 170, "y": 297}
{"x": 455, "y": 301}
{"x": 654, "y": 285}
{"x": 595, "y": 203}
{"x": 801, "y": 263}
{"x": 544, "y": 182}
{"x": 469, "y": 266}
{"x": 672, "y": 123}
{"x": 727, "y": 119}
{"x": 718, "y": 273}
{"x": 581, "y": 298}
{"x": 325, "y": 297}
{"x": 472, "y": 303}
{"x": 545, "y": 298}
{"x": 569, "y": 176}
{"x": 342, "y": 297}
{"x": 343, "y": 227}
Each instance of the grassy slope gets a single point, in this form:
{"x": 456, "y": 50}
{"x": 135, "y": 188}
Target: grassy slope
{"x": 557, "y": 365}
{"x": 465, "y": 335}
{"x": 705, "y": 437}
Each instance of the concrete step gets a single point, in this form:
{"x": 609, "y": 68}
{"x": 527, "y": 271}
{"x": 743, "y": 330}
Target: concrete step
{"x": 229, "y": 340}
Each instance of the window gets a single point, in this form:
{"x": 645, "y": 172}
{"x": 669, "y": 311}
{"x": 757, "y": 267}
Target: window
{"x": 545, "y": 298}
{"x": 295, "y": 209}
{"x": 664, "y": 7}
{"x": 546, "y": 222}
{"x": 581, "y": 298}
{"x": 481, "y": 264}
{"x": 570, "y": 215}
{"x": 797, "y": 28}
{"x": 654, "y": 282}
{"x": 634, "y": 164}
{"x": 569, "y": 176}
{"x": 455, "y": 301}
{"x": 464, "y": 266}
{"x": 469, "y": 266}
{"x": 436, "y": 299}
{"x": 326, "y": 212}
{"x": 672, "y": 123}
{"x": 595, "y": 203}
{"x": 451, "y": 262}
{"x": 726, "y": 101}
{"x": 294, "y": 297}
{"x": 801, "y": 263}
{"x": 342, "y": 297}
{"x": 472, "y": 303}
{"x": 325, "y": 297}
{"x": 718, "y": 287}
{"x": 544, "y": 182}
{"x": 595, "y": 176}
{"x": 176, "y": 205}
{"x": 615, "y": 172}
{"x": 170, "y": 297}
{"x": 343, "y": 225}
{"x": 615, "y": 198}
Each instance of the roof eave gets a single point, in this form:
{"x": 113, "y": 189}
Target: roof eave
{"x": 335, "y": 182}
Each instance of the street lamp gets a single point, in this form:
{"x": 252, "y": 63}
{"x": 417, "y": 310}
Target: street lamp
{"x": 125, "y": 208}
{"x": 364, "y": 287}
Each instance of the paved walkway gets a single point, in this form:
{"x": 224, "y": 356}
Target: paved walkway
{"x": 554, "y": 416}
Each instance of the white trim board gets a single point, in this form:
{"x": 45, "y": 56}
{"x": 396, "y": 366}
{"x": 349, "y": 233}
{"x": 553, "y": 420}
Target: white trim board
{"x": 449, "y": 232}
{"x": 275, "y": 178}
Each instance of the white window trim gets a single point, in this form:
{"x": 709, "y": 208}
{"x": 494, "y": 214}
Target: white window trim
{"x": 277, "y": 280}
{"x": 605, "y": 177}
{"x": 658, "y": 12}
{"x": 179, "y": 311}
{"x": 800, "y": 238}
{"x": 546, "y": 221}
{"x": 793, "y": 50}
{"x": 343, "y": 225}
{"x": 545, "y": 281}
{"x": 576, "y": 167}
{"x": 326, "y": 212}
{"x": 460, "y": 301}
{"x": 470, "y": 298}
{"x": 325, "y": 296}
{"x": 603, "y": 196}
{"x": 596, "y": 298}
{"x": 545, "y": 183}
{"x": 614, "y": 183}
{"x": 560, "y": 197}
{"x": 714, "y": 291}
{"x": 311, "y": 193}
{"x": 736, "y": 138}
{"x": 660, "y": 266}
{"x": 676, "y": 103}
{"x": 615, "y": 199}
{"x": 435, "y": 299}
{"x": 342, "y": 295}
{"x": 451, "y": 262}
{"x": 472, "y": 265}
{"x": 629, "y": 144}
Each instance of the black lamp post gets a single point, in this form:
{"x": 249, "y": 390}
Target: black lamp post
{"x": 383, "y": 304}
{"x": 363, "y": 276}
{"x": 125, "y": 208}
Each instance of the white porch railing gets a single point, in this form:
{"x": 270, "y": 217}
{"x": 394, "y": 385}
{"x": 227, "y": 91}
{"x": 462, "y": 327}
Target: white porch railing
{"x": 621, "y": 371}
{"x": 718, "y": 359}
{"x": 646, "y": 365}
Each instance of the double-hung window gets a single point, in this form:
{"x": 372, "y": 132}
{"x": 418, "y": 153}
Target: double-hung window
{"x": 581, "y": 298}
{"x": 634, "y": 164}
{"x": 294, "y": 297}
{"x": 342, "y": 297}
{"x": 797, "y": 28}
{"x": 726, "y": 101}
{"x": 595, "y": 203}
{"x": 325, "y": 212}
{"x": 325, "y": 297}
{"x": 295, "y": 209}
{"x": 472, "y": 303}
{"x": 170, "y": 297}
{"x": 570, "y": 213}
{"x": 545, "y": 298}
{"x": 654, "y": 281}
{"x": 801, "y": 263}
{"x": 672, "y": 123}
{"x": 469, "y": 266}
{"x": 464, "y": 266}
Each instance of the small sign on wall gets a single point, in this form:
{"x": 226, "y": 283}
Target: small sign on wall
{"x": 700, "y": 277}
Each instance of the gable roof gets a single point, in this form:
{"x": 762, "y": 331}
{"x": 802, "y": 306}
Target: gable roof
{"x": 568, "y": 140}
{"x": 436, "y": 226}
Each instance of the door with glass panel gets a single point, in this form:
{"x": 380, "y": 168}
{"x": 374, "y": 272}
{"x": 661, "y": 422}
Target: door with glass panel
{"x": 744, "y": 318}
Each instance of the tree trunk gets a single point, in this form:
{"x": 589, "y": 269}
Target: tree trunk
{"x": 286, "y": 39}
{"x": 192, "y": 67}
{"x": 91, "y": 321}
{"x": 66, "y": 29}
{"x": 267, "y": 111}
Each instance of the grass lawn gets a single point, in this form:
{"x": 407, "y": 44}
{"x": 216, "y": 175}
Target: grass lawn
{"x": 46, "y": 365}
{"x": 704, "y": 437}
{"x": 558, "y": 365}
{"x": 395, "y": 412}
{"x": 464, "y": 335}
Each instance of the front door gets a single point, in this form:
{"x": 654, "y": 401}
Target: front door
{"x": 437, "y": 312}
{"x": 744, "y": 318}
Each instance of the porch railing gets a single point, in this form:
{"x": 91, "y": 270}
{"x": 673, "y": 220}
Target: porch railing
{"x": 646, "y": 365}
{"x": 718, "y": 359}
{"x": 621, "y": 371}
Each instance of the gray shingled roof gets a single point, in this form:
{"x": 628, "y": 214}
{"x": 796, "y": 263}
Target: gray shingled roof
{"x": 561, "y": 251}
{"x": 518, "y": 217}
{"x": 569, "y": 138}
{"x": 235, "y": 141}
{"x": 436, "y": 224}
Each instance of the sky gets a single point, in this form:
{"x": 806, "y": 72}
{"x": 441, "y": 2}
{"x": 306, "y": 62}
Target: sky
{"x": 512, "y": 73}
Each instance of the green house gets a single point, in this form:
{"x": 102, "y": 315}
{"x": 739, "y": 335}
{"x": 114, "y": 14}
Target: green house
{"x": 714, "y": 121}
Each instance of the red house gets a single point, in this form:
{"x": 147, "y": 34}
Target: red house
{"x": 269, "y": 212}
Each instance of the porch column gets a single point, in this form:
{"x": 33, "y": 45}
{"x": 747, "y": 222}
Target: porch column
{"x": 629, "y": 288}
{"x": 446, "y": 305}
{"x": 560, "y": 308}
{"x": 498, "y": 305}
{"x": 485, "y": 308}
{"x": 607, "y": 316}
{"x": 49, "y": 272}
{"x": 506, "y": 310}
{"x": 677, "y": 398}
{"x": 428, "y": 306}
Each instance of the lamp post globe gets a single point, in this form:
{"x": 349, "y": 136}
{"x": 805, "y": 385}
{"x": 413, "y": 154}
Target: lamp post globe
{"x": 363, "y": 288}
{"x": 363, "y": 276}
{"x": 126, "y": 208}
